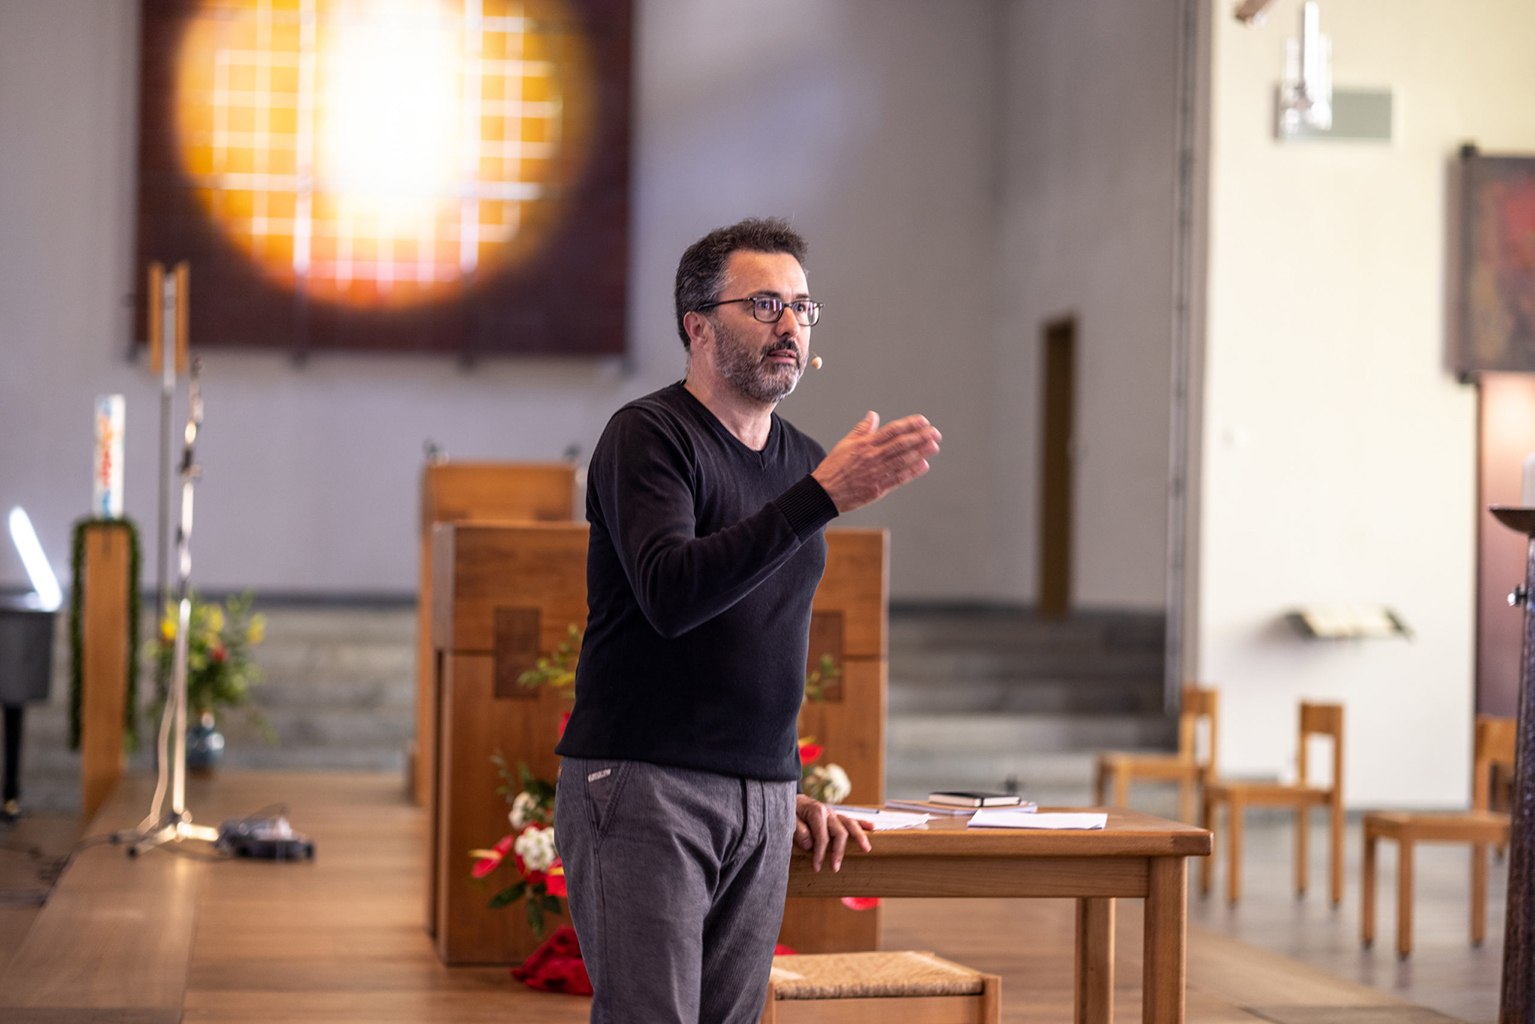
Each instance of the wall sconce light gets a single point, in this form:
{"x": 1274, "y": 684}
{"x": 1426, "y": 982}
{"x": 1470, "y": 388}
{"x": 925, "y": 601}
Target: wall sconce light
{"x": 1305, "y": 96}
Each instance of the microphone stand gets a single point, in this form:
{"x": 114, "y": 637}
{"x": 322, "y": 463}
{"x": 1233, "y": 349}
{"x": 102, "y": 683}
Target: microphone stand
{"x": 163, "y": 826}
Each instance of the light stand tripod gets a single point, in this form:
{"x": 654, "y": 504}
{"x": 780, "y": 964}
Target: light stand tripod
{"x": 162, "y": 826}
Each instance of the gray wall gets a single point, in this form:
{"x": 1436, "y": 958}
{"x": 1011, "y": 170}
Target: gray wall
{"x": 912, "y": 141}
{"x": 1086, "y": 229}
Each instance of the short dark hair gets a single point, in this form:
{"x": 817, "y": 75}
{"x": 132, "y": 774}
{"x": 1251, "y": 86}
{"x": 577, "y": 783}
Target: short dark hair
{"x": 701, "y": 272}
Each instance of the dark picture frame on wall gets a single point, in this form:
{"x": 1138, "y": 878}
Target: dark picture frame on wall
{"x": 1495, "y": 281}
{"x": 520, "y": 247}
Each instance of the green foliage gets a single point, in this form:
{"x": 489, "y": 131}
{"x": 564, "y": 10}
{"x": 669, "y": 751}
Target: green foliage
{"x": 821, "y": 677}
{"x": 77, "y": 628}
{"x": 511, "y": 894}
{"x": 220, "y": 669}
{"x": 559, "y": 669}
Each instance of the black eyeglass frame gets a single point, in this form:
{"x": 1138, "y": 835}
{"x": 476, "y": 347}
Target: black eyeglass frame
{"x": 815, "y": 308}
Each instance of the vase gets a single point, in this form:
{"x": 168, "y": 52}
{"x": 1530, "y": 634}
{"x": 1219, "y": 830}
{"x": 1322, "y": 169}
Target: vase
{"x": 205, "y": 745}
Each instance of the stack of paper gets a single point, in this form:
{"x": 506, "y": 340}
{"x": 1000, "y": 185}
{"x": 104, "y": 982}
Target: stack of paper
{"x": 1011, "y": 817}
{"x": 884, "y": 821}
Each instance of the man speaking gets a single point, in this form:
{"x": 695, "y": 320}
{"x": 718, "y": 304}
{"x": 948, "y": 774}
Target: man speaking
{"x": 677, "y": 801}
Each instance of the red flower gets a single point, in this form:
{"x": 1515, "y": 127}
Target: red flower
{"x": 556, "y": 966}
{"x": 555, "y": 880}
{"x": 219, "y": 653}
{"x": 808, "y": 752}
{"x": 860, "y": 902}
{"x": 491, "y": 859}
{"x": 564, "y": 721}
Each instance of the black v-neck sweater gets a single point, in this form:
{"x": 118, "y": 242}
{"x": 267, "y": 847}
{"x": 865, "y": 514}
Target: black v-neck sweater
{"x": 703, "y": 560}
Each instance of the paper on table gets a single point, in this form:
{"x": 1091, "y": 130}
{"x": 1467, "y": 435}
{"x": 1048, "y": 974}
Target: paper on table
{"x": 1007, "y": 817}
{"x": 884, "y": 821}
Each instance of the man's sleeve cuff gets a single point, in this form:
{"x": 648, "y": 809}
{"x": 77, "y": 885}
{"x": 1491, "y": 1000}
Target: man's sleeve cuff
{"x": 806, "y": 506}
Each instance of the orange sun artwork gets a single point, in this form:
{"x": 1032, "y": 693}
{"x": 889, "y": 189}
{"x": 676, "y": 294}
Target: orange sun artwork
{"x": 385, "y": 155}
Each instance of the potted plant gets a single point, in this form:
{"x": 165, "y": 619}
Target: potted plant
{"x": 220, "y": 670}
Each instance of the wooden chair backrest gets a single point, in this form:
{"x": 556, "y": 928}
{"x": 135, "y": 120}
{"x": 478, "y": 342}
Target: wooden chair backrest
{"x": 1495, "y": 741}
{"x": 1199, "y": 704}
{"x": 1323, "y": 720}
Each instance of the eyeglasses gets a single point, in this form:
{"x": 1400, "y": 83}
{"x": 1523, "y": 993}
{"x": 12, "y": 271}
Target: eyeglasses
{"x": 769, "y": 309}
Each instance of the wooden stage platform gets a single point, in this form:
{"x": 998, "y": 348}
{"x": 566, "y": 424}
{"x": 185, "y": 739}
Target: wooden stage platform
{"x": 182, "y": 936}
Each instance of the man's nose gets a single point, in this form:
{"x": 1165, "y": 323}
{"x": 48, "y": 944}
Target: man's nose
{"x": 788, "y": 328}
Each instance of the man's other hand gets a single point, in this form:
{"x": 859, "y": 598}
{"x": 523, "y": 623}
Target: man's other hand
{"x": 817, "y": 826}
{"x": 871, "y": 462}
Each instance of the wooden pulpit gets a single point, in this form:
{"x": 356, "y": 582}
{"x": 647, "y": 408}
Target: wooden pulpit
{"x": 848, "y": 621}
{"x": 505, "y": 594}
{"x": 541, "y": 492}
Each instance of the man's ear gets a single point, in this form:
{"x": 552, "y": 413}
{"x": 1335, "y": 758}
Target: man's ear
{"x": 698, "y": 327}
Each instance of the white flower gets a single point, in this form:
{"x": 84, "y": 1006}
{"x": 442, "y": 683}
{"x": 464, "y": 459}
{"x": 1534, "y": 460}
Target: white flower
{"x": 536, "y": 848}
{"x": 828, "y": 783}
{"x": 524, "y": 811}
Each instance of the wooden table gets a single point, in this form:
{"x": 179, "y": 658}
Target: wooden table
{"x": 1136, "y": 855}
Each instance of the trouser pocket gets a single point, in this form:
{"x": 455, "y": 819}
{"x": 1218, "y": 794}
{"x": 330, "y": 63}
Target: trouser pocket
{"x": 603, "y": 783}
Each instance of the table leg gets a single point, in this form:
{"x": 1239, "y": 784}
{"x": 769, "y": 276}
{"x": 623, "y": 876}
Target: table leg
{"x": 1207, "y": 821}
{"x": 1478, "y": 893}
{"x": 1095, "y": 961}
{"x": 1403, "y": 898}
{"x": 1367, "y": 895}
{"x": 1302, "y": 848}
{"x": 1235, "y": 811}
{"x": 1162, "y": 980}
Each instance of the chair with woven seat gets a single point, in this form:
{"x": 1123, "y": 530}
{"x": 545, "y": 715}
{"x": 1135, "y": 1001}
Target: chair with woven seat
{"x": 905, "y": 987}
{"x": 1480, "y": 827}
{"x": 1117, "y": 768}
{"x": 1238, "y": 795}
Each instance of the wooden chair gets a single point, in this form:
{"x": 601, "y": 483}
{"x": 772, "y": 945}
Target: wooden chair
{"x": 904, "y": 987}
{"x": 1494, "y": 746}
{"x": 1117, "y": 768}
{"x": 1315, "y": 720}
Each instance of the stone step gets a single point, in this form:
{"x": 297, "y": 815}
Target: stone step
{"x": 989, "y": 734}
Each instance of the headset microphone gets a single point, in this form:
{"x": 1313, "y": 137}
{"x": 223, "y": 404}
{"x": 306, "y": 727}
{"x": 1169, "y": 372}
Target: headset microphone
{"x": 815, "y": 362}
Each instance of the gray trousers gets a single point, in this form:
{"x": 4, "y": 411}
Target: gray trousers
{"x": 676, "y": 882}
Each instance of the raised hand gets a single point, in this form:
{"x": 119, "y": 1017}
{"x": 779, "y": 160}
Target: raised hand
{"x": 871, "y": 462}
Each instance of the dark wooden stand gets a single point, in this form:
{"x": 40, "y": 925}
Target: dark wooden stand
{"x": 1518, "y": 998}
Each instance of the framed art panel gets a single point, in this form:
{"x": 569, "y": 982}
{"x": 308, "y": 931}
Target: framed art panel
{"x": 444, "y": 176}
{"x": 1497, "y": 266}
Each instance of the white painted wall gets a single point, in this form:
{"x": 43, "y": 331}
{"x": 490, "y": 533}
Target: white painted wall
{"x": 1338, "y": 452}
{"x": 871, "y": 123}
{"x": 1087, "y": 201}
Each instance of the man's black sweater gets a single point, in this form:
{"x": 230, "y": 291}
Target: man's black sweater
{"x": 703, "y": 561}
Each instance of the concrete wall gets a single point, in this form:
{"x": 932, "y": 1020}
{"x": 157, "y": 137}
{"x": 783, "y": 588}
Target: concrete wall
{"x": 1338, "y": 451}
{"x": 1087, "y": 203}
{"x": 871, "y": 123}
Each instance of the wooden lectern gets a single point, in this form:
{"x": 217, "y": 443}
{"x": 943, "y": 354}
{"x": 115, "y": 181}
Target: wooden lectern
{"x": 505, "y": 594}
{"x": 848, "y": 621}
{"x": 456, "y": 491}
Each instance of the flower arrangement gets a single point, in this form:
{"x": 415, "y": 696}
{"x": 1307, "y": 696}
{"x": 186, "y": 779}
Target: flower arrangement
{"x": 530, "y": 844}
{"x": 220, "y": 670}
{"x": 558, "y": 671}
{"x": 827, "y": 783}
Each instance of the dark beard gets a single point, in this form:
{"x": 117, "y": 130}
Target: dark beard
{"x": 748, "y": 372}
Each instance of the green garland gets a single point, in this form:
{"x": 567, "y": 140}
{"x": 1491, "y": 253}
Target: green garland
{"x": 76, "y": 628}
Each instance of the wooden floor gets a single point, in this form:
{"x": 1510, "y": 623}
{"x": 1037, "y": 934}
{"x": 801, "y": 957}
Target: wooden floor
{"x": 179, "y": 936}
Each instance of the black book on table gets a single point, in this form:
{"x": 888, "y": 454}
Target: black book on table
{"x": 975, "y": 798}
